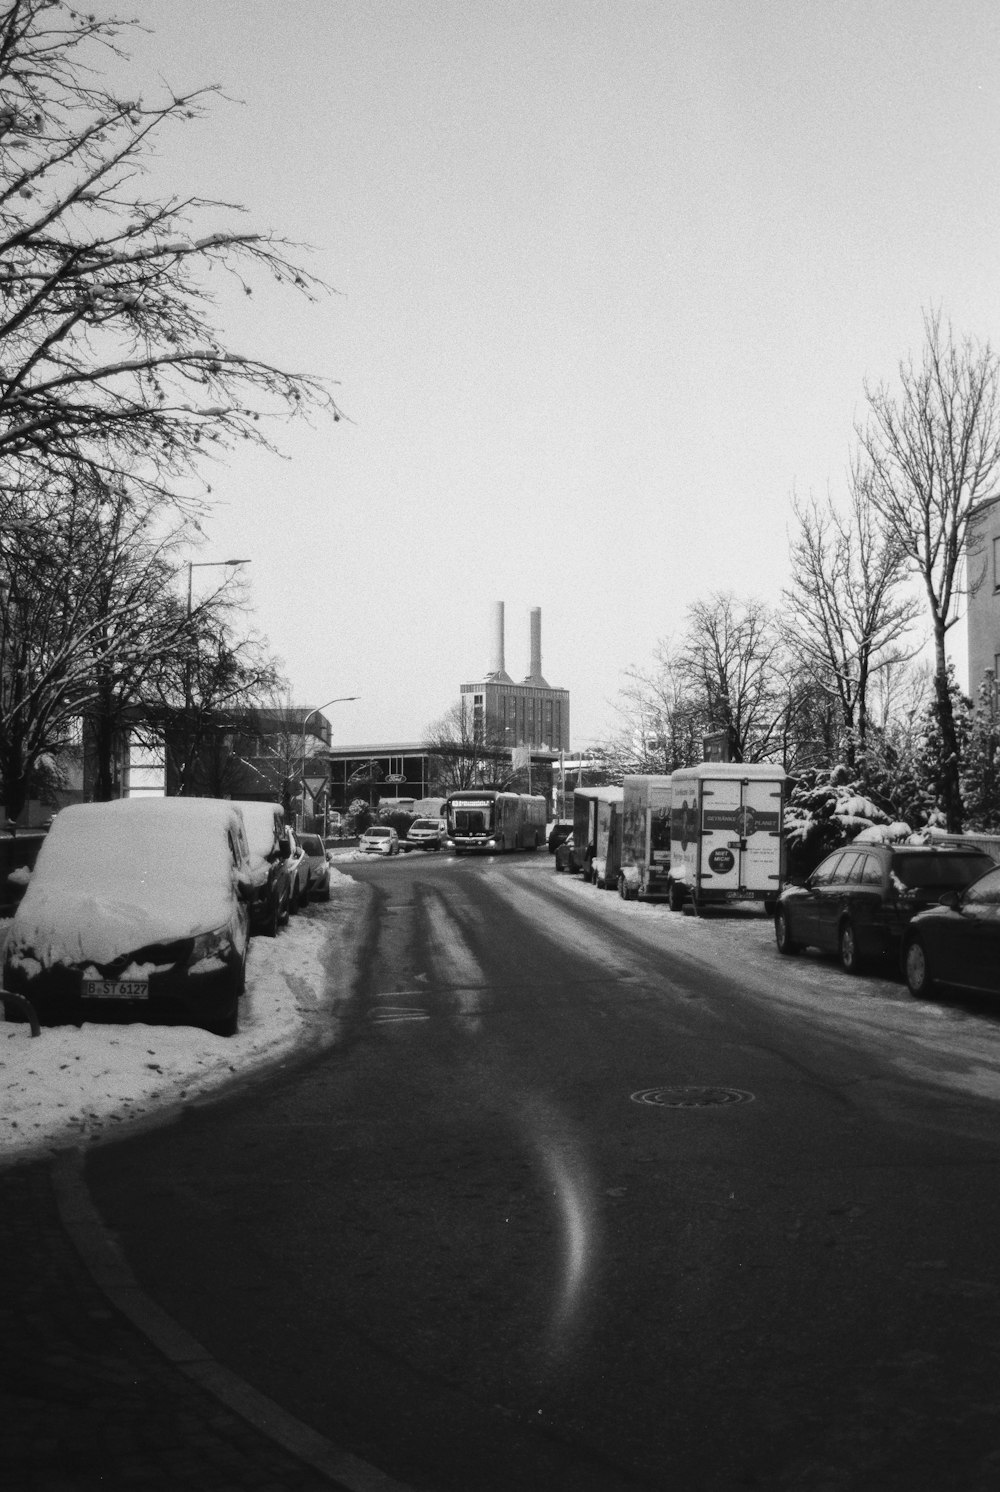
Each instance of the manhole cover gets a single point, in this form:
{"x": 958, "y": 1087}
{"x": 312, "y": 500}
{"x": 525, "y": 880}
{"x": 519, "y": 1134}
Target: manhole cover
{"x": 691, "y": 1098}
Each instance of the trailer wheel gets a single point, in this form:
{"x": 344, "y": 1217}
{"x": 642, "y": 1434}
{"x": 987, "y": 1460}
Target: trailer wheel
{"x": 675, "y": 896}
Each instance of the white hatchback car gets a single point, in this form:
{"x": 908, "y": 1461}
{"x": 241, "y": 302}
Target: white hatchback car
{"x": 379, "y": 840}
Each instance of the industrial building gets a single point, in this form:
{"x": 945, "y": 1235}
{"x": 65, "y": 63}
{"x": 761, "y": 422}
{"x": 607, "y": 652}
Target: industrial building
{"x": 983, "y": 619}
{"x": 508, "y": 714}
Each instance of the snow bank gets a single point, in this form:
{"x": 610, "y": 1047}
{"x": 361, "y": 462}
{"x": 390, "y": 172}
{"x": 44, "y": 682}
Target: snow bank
{"x": 74, "y": 1086}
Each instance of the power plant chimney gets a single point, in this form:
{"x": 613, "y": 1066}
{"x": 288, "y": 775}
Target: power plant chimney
{"x": 535, "y": 669}
{"x": 496, "y": 669}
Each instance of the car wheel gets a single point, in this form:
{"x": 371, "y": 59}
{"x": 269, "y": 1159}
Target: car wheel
{"x": 273, "y": 921}
{"x": 782, "y": 936}
{"x": 917, "y": 968}
{"x": 559, "y": 868}
{"x": 675, "y": 896}
{"x": 623, "y": 890}
{"x": 325, "y": 895}
{"x": 229, "y": 1025}
{"x": 850, "y": 959}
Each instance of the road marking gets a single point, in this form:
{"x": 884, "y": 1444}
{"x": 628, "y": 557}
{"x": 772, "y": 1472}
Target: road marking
{"x": 109, "y": 1270}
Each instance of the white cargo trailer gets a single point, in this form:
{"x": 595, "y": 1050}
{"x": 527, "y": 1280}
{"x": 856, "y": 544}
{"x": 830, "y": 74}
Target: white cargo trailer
{"x": 596, "y": 835}
{"x": 725, "y": 834}
{"x": 645, "y": 854}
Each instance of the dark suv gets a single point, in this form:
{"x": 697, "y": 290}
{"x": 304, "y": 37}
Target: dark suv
{"x": 859, "y": 900}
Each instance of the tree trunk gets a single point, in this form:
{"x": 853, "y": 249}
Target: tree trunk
{"x": 951, "y": 795}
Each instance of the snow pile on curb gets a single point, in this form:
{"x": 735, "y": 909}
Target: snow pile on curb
{"x": 75, "y": 1085}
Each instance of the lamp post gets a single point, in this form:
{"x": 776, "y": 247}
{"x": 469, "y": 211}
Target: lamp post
{"x": 340, "y": 699}
{"x": 193, "y": 565}
{"x": 211, "y": 565}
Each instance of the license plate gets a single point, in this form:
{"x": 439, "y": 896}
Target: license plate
{"x": 115, "y": 989}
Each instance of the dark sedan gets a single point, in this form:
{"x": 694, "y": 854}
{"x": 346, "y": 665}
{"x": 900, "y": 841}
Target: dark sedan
{"x": 860, "y": 900}
{"x": 958, "y": 942}
{"x": 566, "y": 857}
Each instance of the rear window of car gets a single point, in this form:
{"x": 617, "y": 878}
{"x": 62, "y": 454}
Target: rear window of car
{"x": 986, "y": 891}
{"x": 939, "y": 870}
{"x": 311, "y": 843}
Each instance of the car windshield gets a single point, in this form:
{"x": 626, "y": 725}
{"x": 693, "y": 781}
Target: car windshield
{"x": 424, "y": 824}
{"x": 312, "y": 844}
{"x": 916, "y": 871}
{"x": 377, "y": 834}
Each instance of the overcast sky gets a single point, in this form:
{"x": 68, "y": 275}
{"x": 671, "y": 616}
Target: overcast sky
{"x": 611, "y": 276}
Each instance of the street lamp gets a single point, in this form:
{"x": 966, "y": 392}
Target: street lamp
{"x": 211, "y": 565}
{"x": 193, "y": 565}
{"x": 340, "y": 699}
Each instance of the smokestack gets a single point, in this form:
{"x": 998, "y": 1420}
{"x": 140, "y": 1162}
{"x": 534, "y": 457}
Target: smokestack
{"x": 497, "y": 663}
{"x": 535, "y": 670}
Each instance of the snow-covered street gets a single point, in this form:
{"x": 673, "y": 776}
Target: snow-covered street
{"x": 71, "y": 1085}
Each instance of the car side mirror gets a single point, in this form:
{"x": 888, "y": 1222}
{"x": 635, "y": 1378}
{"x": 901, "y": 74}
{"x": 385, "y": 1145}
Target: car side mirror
{"x": 244, "y": 889}
{"x": 284, "y": 849}
{"x": 951, "y": 899}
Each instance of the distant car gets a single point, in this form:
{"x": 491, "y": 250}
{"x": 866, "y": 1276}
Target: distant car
{"x": 859, "y": 901}
{"x": 379, "y": 840}
{"x": 317, "y": 867}
{"x": 559, "y": 833}
{"x": 426, "y": 834}
{"x": 138, "y": 906}
{"x": 270, "y": 849}
{"x": 958, "y": 942}
{"x": 567, "y": 857}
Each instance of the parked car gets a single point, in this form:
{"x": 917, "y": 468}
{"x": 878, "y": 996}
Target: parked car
{"x": 270, "y": 849}
{"x": 568, "y": 857}
{"x": 138, "y": 906}
{"x": 559, "y": 833}
{"x": 426, "y": 834}
{"x": 379, "y": 840}
{"x": 859, "y": 900}
{"x": 317, "y": 867}
{"x": 298, "y": 872}
{"x": 957, "y": 943}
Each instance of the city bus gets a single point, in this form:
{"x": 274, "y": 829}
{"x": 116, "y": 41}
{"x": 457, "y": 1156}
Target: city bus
{"x": 482, "y": 819}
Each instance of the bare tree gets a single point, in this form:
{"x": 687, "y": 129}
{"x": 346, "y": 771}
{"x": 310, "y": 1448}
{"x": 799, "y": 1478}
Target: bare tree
{"x": 68, "y": 623}
{"x": 731, "y": 658}
{"x": 462, "y": 756}
{"x": 847, "y": 612}
{"x": 108, "y": 350}
{"x": 933, "y": 453}
{"x": 661, "y": 723}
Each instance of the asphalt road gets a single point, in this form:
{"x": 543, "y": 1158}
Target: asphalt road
{"x": 467, "y": 1247}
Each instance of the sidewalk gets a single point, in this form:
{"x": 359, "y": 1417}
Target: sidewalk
{"x": 99, "y": 1389}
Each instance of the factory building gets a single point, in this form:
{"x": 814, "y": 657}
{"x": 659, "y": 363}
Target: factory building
{"x": 508, "y": 714}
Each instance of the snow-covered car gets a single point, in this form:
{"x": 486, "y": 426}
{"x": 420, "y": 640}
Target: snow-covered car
{"x": 317, "y": 867}
{"x": 270, "y": 849}
{"x": 379, "y": 840}
{"x": 297, "y": 870}
{"x": 139, "y": 906}
{"x": 426, "y": 834}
